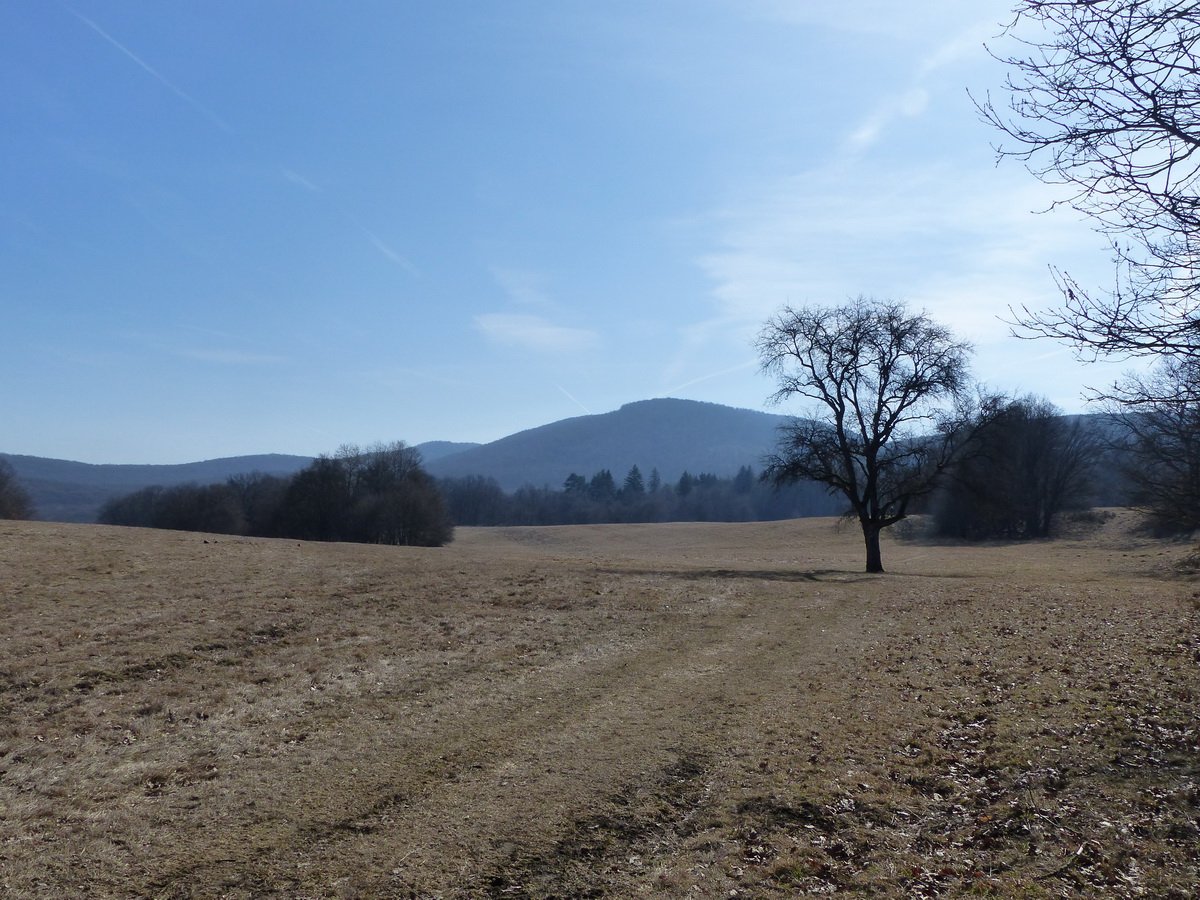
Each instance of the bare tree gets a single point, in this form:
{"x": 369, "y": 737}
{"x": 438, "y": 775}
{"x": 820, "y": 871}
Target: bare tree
{"x": 1025, "y": 464}
{"x": 14, "y": 499}
{"x": 1158, "y": 423}
{"x": 1104, "y": 98}
{"x": 879, "y": 379}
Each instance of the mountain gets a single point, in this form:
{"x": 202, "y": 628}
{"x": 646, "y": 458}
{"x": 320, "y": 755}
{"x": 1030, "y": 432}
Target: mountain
{"x": 670, "y": 435}
{"x": 65, "y": 491}
{"x": 432, "y": 450}
{"x": 665, "y": 434}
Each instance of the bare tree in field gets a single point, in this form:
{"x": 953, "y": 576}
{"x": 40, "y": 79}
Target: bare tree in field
{"x": 1103, "y": 97}
{"x": 1026, "y": 463}
{"x": 1158, "y": 427}
{"x": 880, "y": 383}
{"x": 14, "y": 499}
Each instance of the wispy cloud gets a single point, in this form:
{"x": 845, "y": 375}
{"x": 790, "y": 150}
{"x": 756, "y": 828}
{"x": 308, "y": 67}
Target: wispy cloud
{"x": 962, "y": 243}
{"x": 296, "y": 178}
{"x": 200, "y": 345}
{"x": 372, "y": 238}
{"x": 145, "y": 66}
{"x": 906, "y": 105}
{"x": 531, "y": 332}
{"x": 232, "y": 357}
{"x": 914, "y": 99}
{"x": 887, "y": 17}
{"x": 525, "y": 286}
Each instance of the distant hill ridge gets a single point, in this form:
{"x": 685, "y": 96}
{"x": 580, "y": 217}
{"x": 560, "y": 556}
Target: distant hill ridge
{"x": 67, "y": 491}
{"x": 668, "y": 434}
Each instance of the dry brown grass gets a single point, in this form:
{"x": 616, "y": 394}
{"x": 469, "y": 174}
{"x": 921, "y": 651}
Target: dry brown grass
{"x": 610, "y": 711}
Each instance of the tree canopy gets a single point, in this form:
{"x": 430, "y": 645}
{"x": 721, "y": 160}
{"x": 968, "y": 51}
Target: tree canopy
{"x": 14, "y": 499}
{"x": 879, "y": 382}
{"x": 1025, "y": 463}
{"x": 1103, "y": 97}
{"x": 379, "y": 495}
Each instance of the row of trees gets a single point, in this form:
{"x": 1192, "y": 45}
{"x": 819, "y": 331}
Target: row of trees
{"x": 895, "y": 426}
{"x": 379, "y": 495}
{"x": 475, "y": 500}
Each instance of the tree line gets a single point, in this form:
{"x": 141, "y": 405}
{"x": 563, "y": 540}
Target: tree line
{"x": 380, "y": 495}
{"x": 704, "y": 497}
{"x": 1023, "y": 468}
{"x": 896, "y": 427}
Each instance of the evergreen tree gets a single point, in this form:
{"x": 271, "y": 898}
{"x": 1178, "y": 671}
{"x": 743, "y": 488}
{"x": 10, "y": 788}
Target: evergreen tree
{"x": 633, "y": 481}
{"x": 602, "y": 486}
{"x": 743, "y": 482}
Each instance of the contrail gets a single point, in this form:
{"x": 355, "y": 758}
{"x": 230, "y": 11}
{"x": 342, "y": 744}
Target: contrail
{"x": 568, "y": 393}
{"x": 738, "y": 368}
{"x": 385, "y": 249}
{"x": 297, "y": 178}
{"x": 375, "y": 240}
{"x": 289, "y": 174}
{"x": 196, "y": 105}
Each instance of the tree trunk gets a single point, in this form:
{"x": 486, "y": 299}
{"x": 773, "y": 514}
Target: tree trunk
{"x": 871, "y": 537}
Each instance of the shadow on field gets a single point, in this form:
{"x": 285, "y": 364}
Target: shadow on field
{"x": 840, "y": 576}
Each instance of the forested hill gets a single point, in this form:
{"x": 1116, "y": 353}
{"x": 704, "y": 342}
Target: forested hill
{"x": 67, "y": 491}
{"x": 670, "y": 435}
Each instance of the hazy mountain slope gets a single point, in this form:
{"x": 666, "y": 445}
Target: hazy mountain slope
{"x": 432, "y": 450}
{"x": 67, "y": 491}
{"x": 670, "y": 435}
{"x": 667, "y": 434}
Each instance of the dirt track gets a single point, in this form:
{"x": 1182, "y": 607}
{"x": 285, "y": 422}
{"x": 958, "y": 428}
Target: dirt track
{"x": 680, "y": 710}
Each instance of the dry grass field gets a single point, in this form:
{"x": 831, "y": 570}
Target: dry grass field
{"x": 680, "y": 710}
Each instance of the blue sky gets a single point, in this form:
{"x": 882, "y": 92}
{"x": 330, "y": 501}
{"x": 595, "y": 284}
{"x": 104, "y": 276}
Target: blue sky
{"x": 232, "y": 227}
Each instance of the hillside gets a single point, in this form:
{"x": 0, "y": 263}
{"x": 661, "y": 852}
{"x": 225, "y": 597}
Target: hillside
{"x": 432, "y": 450}
{"x": 66, "y": 491}
{"x": 667, "y": 434}
{"x": 670, "y": 435}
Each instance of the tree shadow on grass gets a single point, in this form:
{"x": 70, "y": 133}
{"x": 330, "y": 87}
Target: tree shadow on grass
{"x": 840, "y": 576}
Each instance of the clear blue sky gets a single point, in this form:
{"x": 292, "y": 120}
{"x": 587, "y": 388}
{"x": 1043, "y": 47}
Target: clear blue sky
{"x": 248, "y": 226}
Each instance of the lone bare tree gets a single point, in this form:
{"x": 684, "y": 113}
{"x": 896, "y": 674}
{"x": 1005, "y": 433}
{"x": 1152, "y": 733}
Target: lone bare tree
{"x": 880, "y": 381}
{"x": 1104, "y": 98}
{"x": 14, "y": 499}
{"x": 1025, "y": 464}
{"x": 1158, "y": 428}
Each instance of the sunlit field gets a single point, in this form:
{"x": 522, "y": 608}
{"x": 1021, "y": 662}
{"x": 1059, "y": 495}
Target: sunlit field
{"x": 684, "y": 710}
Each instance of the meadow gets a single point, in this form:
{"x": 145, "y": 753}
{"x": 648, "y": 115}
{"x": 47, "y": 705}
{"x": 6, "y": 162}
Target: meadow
{"x": 681, "y": 710}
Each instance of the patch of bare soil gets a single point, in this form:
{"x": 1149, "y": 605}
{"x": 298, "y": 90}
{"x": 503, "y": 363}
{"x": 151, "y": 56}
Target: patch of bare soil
{"x": 611, "y": 711}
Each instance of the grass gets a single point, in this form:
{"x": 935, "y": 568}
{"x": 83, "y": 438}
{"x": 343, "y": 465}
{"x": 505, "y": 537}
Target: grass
{"x": 609, "y": 711}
